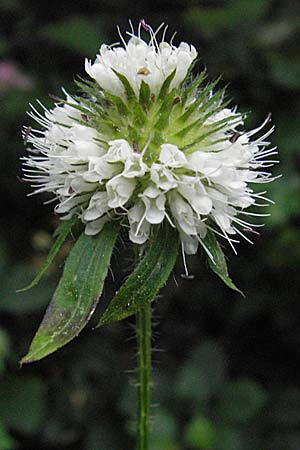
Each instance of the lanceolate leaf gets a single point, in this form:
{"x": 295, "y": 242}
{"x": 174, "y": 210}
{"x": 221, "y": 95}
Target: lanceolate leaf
{"x": 61, "y": 235}
{"x": 77, "y": 294}
{"x": 149, "y": 276}
{"x": 218, "y": 265}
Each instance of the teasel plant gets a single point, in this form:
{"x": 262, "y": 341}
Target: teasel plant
{"x": 150, "y": 154}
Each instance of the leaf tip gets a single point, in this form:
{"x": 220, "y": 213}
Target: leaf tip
{"x": 24, "y": 289}
{"x": 25, "y": 360}
{"x": 241, "y": 292}
{"x": 232, "y": 286}
{"x": 103, "y": 321}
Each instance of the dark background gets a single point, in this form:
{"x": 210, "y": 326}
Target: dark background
{"x": 228, "y": 375}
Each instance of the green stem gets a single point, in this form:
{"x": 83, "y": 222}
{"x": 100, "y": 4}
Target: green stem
{"x": 143, "y": 332}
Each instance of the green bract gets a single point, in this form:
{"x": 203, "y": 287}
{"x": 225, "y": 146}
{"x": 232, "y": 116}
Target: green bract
{"x": 177, "y": 116}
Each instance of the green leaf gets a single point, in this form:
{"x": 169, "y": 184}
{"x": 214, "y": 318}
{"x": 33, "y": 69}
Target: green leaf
{"x": 26, "y": 302}
{"x": 9, "y": 5}
{"x": 105, "y": 432}
{"x": 6, "y": 442}
{"x": 76, "y": 33}
{"x": 3, "y": 46}
{"x": 233, "y": 13}
{"x": 203, "y": 374}
{"x": 77, "y": 294}
{"x": 164, "y": 434}
{"x": 3, "y": 258}
{"x": 61, "y": 234}
{"x": 4, "y": 348}
{"x": 285, "y": 409}
{"x": 149, "y": 276}
{"x": 200, "y": 433}
{"x": 283, "y": 439}
{"x": 285, "y": 69}
{"x": 241, "y": 401}
{"x": 218, "y": 264}
{"x": 23, "y": 403}
{"x": 230, "y": 438}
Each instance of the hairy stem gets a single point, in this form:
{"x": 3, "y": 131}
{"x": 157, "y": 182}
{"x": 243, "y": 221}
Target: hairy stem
{"x": 143, "y": 332}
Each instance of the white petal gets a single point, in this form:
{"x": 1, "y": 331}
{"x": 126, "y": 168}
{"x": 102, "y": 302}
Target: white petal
{"x": 190, "y": 243}
{"x": 119, "y": 151}
{"x": 171, "y": 156}
{"x": 119, "y": 190}
{"x": 93, "y": 228}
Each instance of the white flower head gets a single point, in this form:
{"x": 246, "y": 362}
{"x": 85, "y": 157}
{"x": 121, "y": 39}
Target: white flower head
{"x": 147, "y": 144}
{"x": 138, "y": 61}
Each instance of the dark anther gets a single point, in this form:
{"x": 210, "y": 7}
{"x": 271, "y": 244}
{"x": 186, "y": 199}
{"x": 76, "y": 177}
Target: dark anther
{"x": 27, "y": 133}
{"x": 145, "y": 25}
{"x": 21, "y": 180}
{"x": 176, "y": 100}
{"x": 135, "y": 146}
{"x": 235, "y": 137}
{"x": 187, "y": 277}
{"x": 143, "y": 71}
{"x": 269, "y": 117}
{"x": 55, "y": 98}
{"x": 85, "y": 117}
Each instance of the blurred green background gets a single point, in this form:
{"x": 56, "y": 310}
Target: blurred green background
{"x": 228, "y": 375}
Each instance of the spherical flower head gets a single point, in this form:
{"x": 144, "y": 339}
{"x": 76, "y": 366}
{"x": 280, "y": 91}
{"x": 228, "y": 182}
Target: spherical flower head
{"x": 147, "y": 143}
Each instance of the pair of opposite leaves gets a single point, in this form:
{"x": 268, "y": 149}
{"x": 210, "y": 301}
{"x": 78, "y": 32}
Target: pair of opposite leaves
{"x": 80, "y": 287}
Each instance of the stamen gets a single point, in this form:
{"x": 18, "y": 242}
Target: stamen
{"x": 184, "y": 260}
{"x": 241, "y": 234}
{"x": 206, "y": 249}
{"x": 121, "y": 37}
